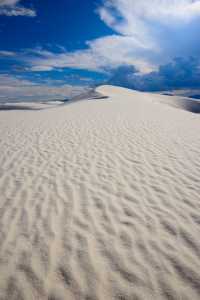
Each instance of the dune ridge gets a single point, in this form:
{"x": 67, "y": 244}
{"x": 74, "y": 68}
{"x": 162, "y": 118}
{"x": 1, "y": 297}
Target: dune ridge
{"x": 13, "y": 108}
{"x": 100, "y": 200}
{"x": 106, "y": 91}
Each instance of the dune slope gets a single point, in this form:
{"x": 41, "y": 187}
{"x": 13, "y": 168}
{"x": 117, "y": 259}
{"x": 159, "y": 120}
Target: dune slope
{"x": 109, "y": 91}
{"x": 100, "y": 200}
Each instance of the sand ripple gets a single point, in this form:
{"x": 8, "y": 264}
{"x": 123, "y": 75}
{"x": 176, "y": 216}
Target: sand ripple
{"x": 100, "y": 200}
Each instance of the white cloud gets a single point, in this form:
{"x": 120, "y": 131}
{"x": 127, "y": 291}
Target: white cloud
{"x": 115, "y": 50}
{"x": 151, "y": 33}
{"x": 105, "y": 52}
{"x": 14, "y": 81}
{"x": 186, "y": 92}
{"x": 42, "y": 68}
{"x": 13, "y": 8}
{"x": 18, "y": 68}
{"x": 131, "y": 17}
{"x": 86, "y": 79}
{"x": 170, "y": 26}
{"x": 79, "y": 77}
{"x": 6, "y": 53}
{"x": 8, "y": 2}
{"x": 24, "y": 90}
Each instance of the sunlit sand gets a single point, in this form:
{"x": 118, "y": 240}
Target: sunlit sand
{"x": 99, "y": 198}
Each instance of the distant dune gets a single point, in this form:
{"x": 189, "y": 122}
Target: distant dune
{"x": 195, "y": 96}
{"x": 105, "y": 91}
{"x": 13, "y": 108}
{"x": 99, "y": 198}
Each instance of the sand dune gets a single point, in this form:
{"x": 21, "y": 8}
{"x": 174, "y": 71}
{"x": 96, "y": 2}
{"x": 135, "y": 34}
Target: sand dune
{"x": 106, "y": 91}
{"x": 100, "y": 199}
{"x": 13, "y": 108}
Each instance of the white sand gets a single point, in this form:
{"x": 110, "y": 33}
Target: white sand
{"x": 15, "y": 108}
{"x": 99, "y": 199}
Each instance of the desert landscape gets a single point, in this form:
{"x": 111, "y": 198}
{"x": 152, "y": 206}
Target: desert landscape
{"x": 99, "y": 198}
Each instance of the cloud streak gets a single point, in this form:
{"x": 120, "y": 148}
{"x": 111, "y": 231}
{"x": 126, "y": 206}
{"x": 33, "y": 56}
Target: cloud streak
{"x": 79, "y": 77}
{"x": 13, "y": 8}
{"x": 109, "y": 51}
{"x": 18, "y": 68}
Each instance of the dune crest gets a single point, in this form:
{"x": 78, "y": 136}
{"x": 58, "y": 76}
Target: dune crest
{"x": 109, "y": 91}
{"x": 100, "y": 200}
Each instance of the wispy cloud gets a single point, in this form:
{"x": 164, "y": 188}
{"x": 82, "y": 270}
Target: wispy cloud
{"x": 19, "y": 68}
{"x": 4, "y": 54}
{"x": 13, "y": 8}
{"x": 18, "y": 89}
{"x": 109, "y": 51}
{"x": 79, "y": 77}
{"x": 42, "y": 68}
{"x": 148, "y": 34}
{"x": 14, "y": 81}
{"x": 73, "y": 77}
{"x": 86, "y": 79}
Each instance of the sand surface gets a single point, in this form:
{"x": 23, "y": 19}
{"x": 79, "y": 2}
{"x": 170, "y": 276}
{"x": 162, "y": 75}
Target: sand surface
{"x": 15, "y": 108}
{"x": 99, "y": 199}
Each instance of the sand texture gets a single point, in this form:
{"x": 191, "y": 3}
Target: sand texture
{"x": 100, "y": 199}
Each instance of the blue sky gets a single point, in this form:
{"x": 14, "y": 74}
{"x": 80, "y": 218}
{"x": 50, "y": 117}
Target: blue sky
{"x": 57, "y": 49}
